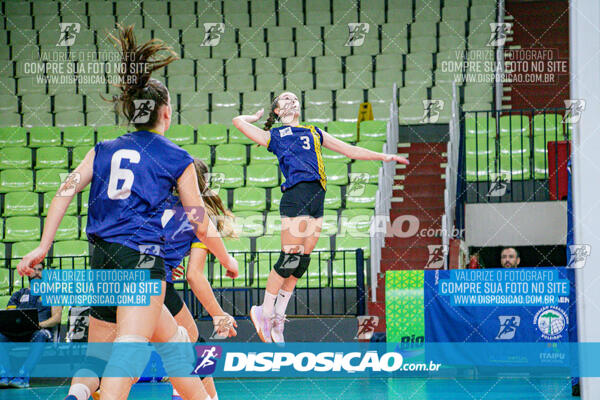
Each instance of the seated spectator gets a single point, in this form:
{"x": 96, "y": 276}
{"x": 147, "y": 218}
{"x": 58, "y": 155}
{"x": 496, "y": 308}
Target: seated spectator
{"x": 509, "y": 258}
{"x": 49, "y": 318}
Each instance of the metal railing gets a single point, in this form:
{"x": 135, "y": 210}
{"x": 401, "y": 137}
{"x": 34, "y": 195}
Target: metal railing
{"x": 333, "y": 285}
{"x": 509, "y": 155}
{"x": 383, "y": 201}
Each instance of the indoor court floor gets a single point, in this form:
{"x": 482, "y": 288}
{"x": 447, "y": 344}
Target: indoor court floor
{"x": 346, "y": 389}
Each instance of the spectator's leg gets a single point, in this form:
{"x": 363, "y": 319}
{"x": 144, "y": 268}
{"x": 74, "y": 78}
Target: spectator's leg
{"x": 38, "y": 339}
{"x": 5, "y": 367}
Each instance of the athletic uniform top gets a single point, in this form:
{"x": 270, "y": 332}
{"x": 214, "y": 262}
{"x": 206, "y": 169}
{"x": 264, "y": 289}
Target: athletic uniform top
{"x": 179, "y": 235}
{"x": 133, "y": 177}
{"x": 298, "y": 149}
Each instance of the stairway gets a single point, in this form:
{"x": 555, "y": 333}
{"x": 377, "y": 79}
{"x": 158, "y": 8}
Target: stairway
{"x": 542, "y": 25}
{"x": 418, "y": 192}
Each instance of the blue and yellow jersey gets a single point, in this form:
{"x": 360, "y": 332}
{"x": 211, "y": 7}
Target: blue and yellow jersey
{"x": 298, "y": 149}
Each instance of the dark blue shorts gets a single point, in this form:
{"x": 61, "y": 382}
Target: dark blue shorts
{"x": 304, "y": 198}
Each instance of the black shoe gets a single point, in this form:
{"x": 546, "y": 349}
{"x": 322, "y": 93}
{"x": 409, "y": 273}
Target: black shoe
{"x": 575, "y": 390}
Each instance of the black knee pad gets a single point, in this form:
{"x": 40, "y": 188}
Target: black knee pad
{"x": 287, "y": 264}
{"x": 303, "y": 266}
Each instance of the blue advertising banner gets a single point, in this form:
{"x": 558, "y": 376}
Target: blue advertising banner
{"x": 499, "y": 305}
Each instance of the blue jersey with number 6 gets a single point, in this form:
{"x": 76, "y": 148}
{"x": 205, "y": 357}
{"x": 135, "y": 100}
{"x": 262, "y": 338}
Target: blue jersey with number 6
{"x": 132, "y": 181}
{"x": 298, "y": 149}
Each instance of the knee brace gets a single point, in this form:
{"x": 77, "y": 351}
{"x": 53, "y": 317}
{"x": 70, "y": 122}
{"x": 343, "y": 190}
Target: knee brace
{"x": 302, "y": 266}
{"x": 177, "y": 354}
{"x": 130, "y": 355}
{"x": 287, "y": 264}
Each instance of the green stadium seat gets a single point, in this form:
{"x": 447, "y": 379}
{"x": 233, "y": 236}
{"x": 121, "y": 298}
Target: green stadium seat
{"x": 478, "y": 93}
{"x": 320, "y": 115}
{"x": 548, "y": 125}
{"x": 345, "y": 131}
{"x": 20, "y": 203}
{"x": 411, "y": 113}
{"x": 192, "y": 101}
{"x": 480, "y": 157}
{"x": 260, "y": 155}
{"x": 373, "y": 130}
{"x": 48, "y": 179}
{"x": 51, "y": 157}
{"x": 264, "y": 244}
{"x": 35, "y": 103}
{"x": 261, "y": 175}
{"x": 67, "y": 102}
{"x": 194, "y": 117}
{"x": 349, "y": 243}
{"x": 273, "y": 223}
{"x": 240, "y": 82}
{"x": 540, "y": 154}
{"x": 330, "y": 222}
{"x": 349, "y": 96}
{"x": 8, "y": 104}
{"x": 78, "y": 136}
{"x": 414, "y": 77}
{"x": 44, "y": 136}
{"x": 68, "y": 228}
{"x": 296, "y": 81}
{"x": 249, "y": 223}
{"x": 74, "y": 253}
{"x": 30, "y": 85}
{"x": 511, "y": 125}
{"x": 356, "y": 221}
{"x": 85, "y": 202}
{"x": 365, "y": 171}
{"x": 316, "y": 276}
{"x": 20, "y": 249}
{"x": 237, "y": 137}
{"x": 514, "y": 158}
{"x": 343, "y": 273}
{"x": 371, "y": 145}
{"x": 4, "y": 301}
{"x": 249, "y": 198}
{"x": 333, "y": 197}
{"x": 362, "y": 196}
{"x": 330, "y": 80}
{"x": 230, "y": 154}
{"x": 452, "y": 42}
{"x": 337, "y": 173}
{"x": 37, "y": 119}
{"x": 333, "y": 156}
{"x": 480, "y": 124}
{"x": 180, "y": 134}
{"x": 15, "y": 157}
{"x": 222, "y": 100}
{"x": 213, "y": 134}
{"x": 201, "y": 151}
{"x": 229, "y": 176}
{"x": 483, "y": 12}
{"x": 79, "y": 154}
{"x": 16, "y": 180}
{"x": 270, "y": 82}
{"x": 5, "y": 283}
{"x": 252, "y": 100}
{"x": 110, "y": 132}
{"x": 48, "y": 196}
{"x": 323, "y": 246}
{"x": 11, "y": 119}
{"x": 318, "y": 97}
{"x": 275, "y": 199}
{"x": 21, "y": 228}
{"x": 272, "y": 65}
{"x": 100, "y": 118}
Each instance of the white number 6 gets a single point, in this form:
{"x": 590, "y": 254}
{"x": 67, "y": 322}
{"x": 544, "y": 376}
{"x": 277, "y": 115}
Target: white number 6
{"x": 117, "y": 174}
{"x": 306, "y": 141}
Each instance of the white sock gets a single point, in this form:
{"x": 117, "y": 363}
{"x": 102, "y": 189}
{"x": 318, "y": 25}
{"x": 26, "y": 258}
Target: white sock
{"x": 175, "y": 393}
{"x": 282, "y": 301}
{"x": 80, "y": 391}
{"x": 269, "y": 304}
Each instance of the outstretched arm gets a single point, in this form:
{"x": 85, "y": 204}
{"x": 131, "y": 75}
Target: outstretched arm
{"x": 73, "y": 184}
{"x": 254, "y": 133}
{"x": 356, "y": 152}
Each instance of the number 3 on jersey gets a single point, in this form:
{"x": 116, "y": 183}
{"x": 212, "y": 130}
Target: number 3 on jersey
{"x": 306, "y": 141}
{"x": 121, "y": 174}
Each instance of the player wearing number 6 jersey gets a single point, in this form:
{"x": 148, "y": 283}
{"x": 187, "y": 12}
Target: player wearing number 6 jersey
{"x": 298, "y": 149}
{"x": 131, "y": 177}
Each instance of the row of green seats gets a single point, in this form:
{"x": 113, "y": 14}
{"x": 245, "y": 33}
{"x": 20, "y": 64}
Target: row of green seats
{"x": 550, "y": 125}
{"x": 28, "y": 203}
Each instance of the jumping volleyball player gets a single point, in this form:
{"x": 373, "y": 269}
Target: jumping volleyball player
{"x": 298, "y": 149}
{"x": 131, "y": 178}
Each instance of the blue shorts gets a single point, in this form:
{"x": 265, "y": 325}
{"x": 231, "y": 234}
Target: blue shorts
{"x": 304, "y": 198}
